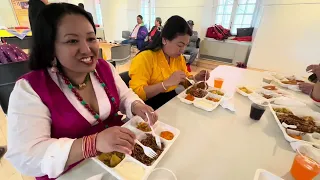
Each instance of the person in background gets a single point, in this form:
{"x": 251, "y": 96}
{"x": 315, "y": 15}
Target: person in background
{"x": 157, "y": 71}
{"x": 308, "y": 87}
{"x": 82, "y": 6}
{"x": 192, "y": 46}
{"x": 315, "y": 92}
{"x": 66, "y": 109}
{"x": 155, "y": 30}
{"x": 138, "y": 34}
{"x": 35, "y": 6}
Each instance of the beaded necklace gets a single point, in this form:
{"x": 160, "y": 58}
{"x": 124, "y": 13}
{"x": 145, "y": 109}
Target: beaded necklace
{"x": 83, "y": 102}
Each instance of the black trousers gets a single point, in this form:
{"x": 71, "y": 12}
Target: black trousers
{"x": 160, "y": 99}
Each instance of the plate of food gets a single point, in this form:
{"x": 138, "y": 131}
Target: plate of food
{"x": 290, "y": 82}
{"x": 244, "y": 91}
{"x": 202, "y": 97}
{"x": 138, "y": 166}
{"x": 267, "y": 95}
{"x": 298, "y": 124}
{"x": 270, "y": 87}
{"x": 209, "y": 103}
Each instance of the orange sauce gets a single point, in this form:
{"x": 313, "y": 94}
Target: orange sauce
{"x": 295, "y": 136}
{"x": 218, "y": 82}
{"x": 189, "y": 97}
{"x": 304, "y": 168}
{"x": 167, "y": 135}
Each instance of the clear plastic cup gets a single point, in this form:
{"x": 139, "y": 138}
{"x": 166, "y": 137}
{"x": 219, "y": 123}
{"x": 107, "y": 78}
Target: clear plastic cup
{"x": 162, "y": 174}
{"x": 306, "y": 164}
{"x": 218, "y": 82}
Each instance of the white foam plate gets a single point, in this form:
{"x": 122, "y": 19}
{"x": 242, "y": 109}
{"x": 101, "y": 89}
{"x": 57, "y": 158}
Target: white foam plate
{"x": 298, "y": 111}
{"x": 242, "y": 92}
{"x": 203, "y": 103}
{"x": 262, "y": 174}
{"x": 131, "y": 124}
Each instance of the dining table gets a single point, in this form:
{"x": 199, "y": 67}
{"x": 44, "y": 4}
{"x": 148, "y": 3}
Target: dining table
{"x": 106, "y": 49}
{"x": 222, "y": 144}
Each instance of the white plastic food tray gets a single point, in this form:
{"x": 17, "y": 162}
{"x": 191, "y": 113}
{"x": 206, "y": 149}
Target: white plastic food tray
{"x": 262, "y": 174}
{"x": 267, "y": 92}
{"x": 242, "y": 92}
{"x": 278, "y": 78}
{"x": 298, "y": 111}
{"x": 131, "y": 124}
{"x": 203, "y": 103}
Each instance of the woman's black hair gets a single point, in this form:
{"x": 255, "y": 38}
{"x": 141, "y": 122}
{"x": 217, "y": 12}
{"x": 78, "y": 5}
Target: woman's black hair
{"x": 140, "y": 17}
{"x": 175, "y": 26}
{"x": 45, "y": 31}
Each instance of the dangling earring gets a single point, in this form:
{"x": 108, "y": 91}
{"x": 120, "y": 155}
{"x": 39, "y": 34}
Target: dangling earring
{"x": 54, "y": 68}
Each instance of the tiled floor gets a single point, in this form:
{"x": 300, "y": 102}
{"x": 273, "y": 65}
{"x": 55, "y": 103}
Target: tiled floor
{"x": 7, "y": 172}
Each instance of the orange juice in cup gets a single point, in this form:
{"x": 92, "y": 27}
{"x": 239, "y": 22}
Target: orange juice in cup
{"x": 218, "y": 82}
{"x": 306, "y": 163}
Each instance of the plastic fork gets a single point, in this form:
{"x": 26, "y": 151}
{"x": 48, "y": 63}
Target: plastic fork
{"x": 153, "y": 133}
{"x": 148, "y": 151}
{"x": 190, "y": 81}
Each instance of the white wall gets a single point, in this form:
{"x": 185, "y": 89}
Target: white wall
{"x": 118, "y": 16}
{"x": 7, "y": 16}
{"x": 287, "y": 39}
{"x": 202, "y": 12}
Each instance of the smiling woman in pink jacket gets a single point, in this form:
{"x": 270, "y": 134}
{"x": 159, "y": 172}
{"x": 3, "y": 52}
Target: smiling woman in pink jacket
{"x": 66, "y": 109}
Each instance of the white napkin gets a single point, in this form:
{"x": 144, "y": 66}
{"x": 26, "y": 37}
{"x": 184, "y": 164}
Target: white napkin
{"x": 228, "y": 104}
{"x": 96, "y": 177}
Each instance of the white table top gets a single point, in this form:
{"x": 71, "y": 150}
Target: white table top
{"x": 219, "y": 144}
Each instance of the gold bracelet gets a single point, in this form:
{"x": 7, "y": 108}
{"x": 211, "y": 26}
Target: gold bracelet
{"x": 164, "y": 87}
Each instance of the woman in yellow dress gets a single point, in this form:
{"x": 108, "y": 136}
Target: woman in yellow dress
{"x": 157, "y": 71}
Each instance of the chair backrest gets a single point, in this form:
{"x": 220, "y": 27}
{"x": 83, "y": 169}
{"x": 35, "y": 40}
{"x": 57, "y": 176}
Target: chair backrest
{"x": 12, "y": 71}
{"x": 5, "y": 91}
{"x": 126, "y": 34}
{"x": 26, "y": 43}
{"x": 121, "y": 54}
{"x": 125, "y": 77}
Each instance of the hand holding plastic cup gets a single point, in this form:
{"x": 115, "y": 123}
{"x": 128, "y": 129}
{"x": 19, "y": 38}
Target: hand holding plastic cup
{"x": 306, "y": 164}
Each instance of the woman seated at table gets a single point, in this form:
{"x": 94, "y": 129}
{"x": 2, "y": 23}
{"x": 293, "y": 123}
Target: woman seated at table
{"x": 66, "y": 109}
{"x": 154, "y": 32}
{"x": 156, "y": 71}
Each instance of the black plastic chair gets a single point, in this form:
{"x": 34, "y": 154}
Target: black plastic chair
{"x": 9, "y": 74}
{"x": 5, "y": 91}
{"x": 125, "y": 77}
{"x": 12, "y": 71}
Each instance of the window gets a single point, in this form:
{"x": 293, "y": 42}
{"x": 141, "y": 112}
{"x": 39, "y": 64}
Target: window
{"x": 148, "y": 12}
{"x": 233, "y": 14}
{"x": 98, "y": 13}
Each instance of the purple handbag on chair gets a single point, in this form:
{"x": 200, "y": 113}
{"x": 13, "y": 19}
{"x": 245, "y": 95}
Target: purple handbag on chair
{"x": 11, "y": 53}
